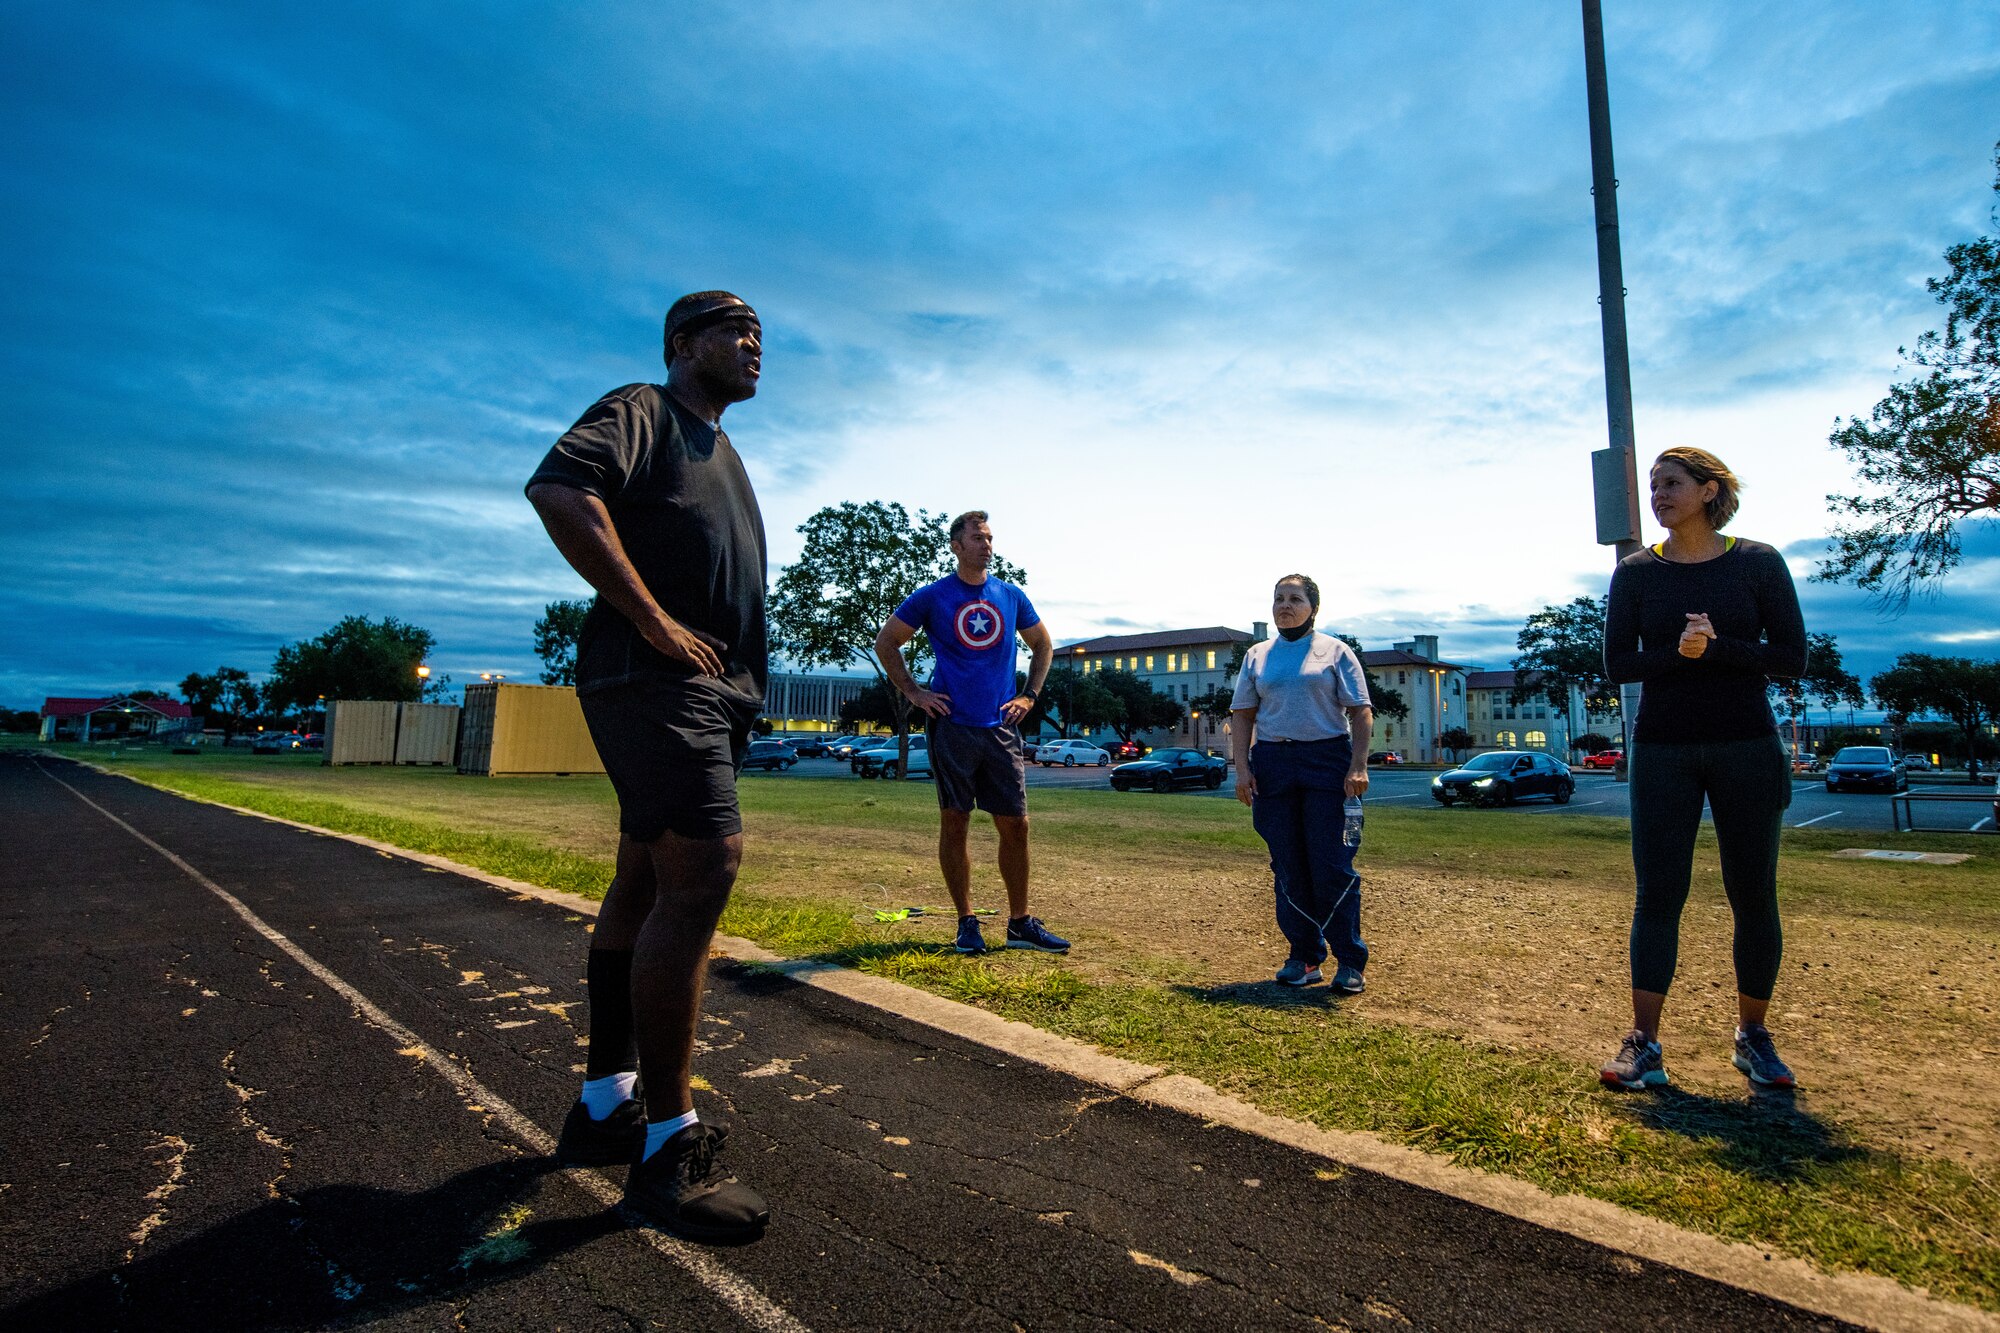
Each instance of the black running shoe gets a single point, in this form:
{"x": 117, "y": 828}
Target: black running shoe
{"x": 616, "y": 1140}
{"x": 680, "y": 1189}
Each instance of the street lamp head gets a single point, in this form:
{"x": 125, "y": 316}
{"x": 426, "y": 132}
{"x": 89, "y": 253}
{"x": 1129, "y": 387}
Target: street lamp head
{"x": 423, "y": 673}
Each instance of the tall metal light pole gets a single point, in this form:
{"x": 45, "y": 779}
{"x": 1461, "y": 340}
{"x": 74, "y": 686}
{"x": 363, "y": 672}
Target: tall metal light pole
{"x": 1614, "y": 471}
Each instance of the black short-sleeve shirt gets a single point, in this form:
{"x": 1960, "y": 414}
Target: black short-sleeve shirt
{"x": 684, "y": 509}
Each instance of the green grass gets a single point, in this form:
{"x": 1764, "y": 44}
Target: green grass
{"x": 1766, "y": 1174}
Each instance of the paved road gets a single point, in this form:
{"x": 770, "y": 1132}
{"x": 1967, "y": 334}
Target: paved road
{"x": 1596, "y": 794}
{"x": 266, "y": 1078}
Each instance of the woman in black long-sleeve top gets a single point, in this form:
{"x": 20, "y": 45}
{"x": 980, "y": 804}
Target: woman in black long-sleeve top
{"x": 1704, "y": 621}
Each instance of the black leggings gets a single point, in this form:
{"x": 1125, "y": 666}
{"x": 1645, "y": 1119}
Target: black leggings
{"x": 1748, "y": 785}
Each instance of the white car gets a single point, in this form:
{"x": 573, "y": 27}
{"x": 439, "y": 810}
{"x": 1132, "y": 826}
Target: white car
{"x": 1070, "y": 753}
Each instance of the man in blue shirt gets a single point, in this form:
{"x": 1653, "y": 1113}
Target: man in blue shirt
{"x": 973, "y": 715}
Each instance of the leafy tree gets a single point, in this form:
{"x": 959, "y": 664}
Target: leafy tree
{"x": 1958, "y": 688}
{"x": 1140, "y": 706}
{"x": 875, "y": 707}
{"x": 858, "y": 564}
{"x": 1835, "y": 741}
{"x": 1826, "y": 680}
{"x": 1930, "y": 452}
{"x": 227, "y": 695}
{"x": 1073, "y": 699}
{"x": 1214, "y": 707}
{"x": 1592, "y": 742}
{"x": 1563, "y": 646}
{"x": 1456, "y": 740}
{"x": 17, "y": 721}
{"x": 358, "y": 658}
{"x": 556, "y": 635}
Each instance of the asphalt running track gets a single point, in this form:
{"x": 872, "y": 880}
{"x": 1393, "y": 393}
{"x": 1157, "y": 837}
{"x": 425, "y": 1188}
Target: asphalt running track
{"x": 266, "y": 1078}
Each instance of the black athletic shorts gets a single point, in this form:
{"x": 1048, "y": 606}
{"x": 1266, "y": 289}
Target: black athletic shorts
{"x": 979, "y": 766}
{"x": 672, "y": 749}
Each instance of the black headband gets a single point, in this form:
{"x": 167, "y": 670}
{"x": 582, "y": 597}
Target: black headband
{"x": 729, "y": 308}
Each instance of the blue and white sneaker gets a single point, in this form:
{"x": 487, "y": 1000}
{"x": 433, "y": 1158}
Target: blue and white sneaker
{"x": 1028, "y": 932}
{"x": 969, "y": 938}
{"x": 1347, "y": 980}
{"x": 1298, "y": 972}
{"x": 1640, "y": 1064}
{"x": 1757, "y": 1056}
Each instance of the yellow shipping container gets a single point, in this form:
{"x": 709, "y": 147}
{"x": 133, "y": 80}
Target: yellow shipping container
{"x": 513, "y": 729}
{"x": 360, "y": 731}
{"x": 427, "y": 734}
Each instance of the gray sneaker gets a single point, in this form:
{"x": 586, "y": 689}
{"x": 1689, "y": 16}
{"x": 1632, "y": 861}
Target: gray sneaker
{"x": 1347, "y": 980}
{"x": 1297, "y": 973}
{"x": 1757, "y": 1057}
{"x": 1640, "y": 1064}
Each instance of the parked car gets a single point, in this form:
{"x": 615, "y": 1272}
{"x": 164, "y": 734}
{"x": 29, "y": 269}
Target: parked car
{"x": 274, "y": 742}
{"x": 1503, "y": 777}
{"x": 1164, "y": 770}
{"x": 1996, "y": 804}
{"x": 312, "y": 740}
{"x": 881, "y": 762}
{"x": 1385, "y": 757}
{"x": 1069, "y": 754}
{"x": 1916, "y": 763}
{"x": 811, "y": 747}
{"x": 770, "y": 755}
{"x": 1866, "y": 768}
{"x": 1603, "y": 759}
{"x": 846, "y": 747}
{"x": 1125, "y": 749}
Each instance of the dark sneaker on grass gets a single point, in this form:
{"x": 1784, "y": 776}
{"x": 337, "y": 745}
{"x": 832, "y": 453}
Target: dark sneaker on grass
{"x": 969, "y": 938}
{"x": 680, "y": 1189}
{"x": 616, "y": 1140}
{"x": 1348, "y": 980}
{"x": 1757, "y": 1057}
{"x": 1640, "y": 1064}
{"x": 1298, "y": 973}
{"x": 1028, "y": 932}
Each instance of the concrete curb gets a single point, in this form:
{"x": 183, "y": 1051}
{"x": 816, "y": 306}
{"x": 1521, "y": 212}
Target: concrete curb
{"x": 1874, "y": 1302}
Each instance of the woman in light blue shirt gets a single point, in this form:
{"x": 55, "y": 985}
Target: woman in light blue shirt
{"x": 1300, "y": 722}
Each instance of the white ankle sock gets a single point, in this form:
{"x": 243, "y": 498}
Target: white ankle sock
{"x": 602, "y": 1096}
{"x": 659, "y": 1131}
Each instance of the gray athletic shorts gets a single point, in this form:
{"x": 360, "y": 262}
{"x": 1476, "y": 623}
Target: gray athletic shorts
{"x": 672, "y": 750}
{"x": 983, "y": 767}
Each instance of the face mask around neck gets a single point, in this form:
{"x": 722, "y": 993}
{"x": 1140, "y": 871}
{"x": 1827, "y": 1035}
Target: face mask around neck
{"x": 1298, "y": 632}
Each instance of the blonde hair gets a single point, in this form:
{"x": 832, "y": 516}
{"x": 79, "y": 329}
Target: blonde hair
{"x": 1704, "y": 466}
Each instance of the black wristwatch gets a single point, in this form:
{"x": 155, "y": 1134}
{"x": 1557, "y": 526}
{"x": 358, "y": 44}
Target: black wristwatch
{"x": 1031, "y": 696}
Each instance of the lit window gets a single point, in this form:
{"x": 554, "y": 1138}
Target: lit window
{"x": 1149, "y": 661}
{"x": 1211, "y": 659}
{"x": 1117, "y": 664}
{"x": 1538, "y": 740}
{"x": 1504, "y": 739}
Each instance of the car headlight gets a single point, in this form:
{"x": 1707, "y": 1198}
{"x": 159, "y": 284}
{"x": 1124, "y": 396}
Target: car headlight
{"x": 1437, "y": 782}
{"x": 1483, "y": 782}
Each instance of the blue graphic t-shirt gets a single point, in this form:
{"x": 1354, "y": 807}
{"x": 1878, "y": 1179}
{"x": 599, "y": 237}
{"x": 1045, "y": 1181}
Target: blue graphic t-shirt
{"x": 972, "y": 632}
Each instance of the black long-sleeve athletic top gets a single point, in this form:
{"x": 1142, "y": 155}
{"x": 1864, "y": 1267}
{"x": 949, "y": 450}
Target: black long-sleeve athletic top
{"x": 1748, "y": 596}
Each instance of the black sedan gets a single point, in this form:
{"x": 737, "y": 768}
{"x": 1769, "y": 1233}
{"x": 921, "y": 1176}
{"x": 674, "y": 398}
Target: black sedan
{"x": 1866, "y": 768}
{"x": 1164, "y": 770}
{"x": 1503, "y": 777}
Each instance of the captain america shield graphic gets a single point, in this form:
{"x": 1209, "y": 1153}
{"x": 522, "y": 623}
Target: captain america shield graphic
{"x": 977, "y": 625}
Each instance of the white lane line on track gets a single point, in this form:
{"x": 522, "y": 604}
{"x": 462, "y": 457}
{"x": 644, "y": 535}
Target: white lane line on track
{"x": 1828, "y": 815}
{"x": 744, "y": 1300}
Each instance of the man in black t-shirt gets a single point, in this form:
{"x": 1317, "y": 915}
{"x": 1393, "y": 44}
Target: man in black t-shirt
{"x": 647, "y": 499}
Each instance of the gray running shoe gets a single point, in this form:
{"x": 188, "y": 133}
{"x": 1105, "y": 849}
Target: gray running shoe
{"x": 1757, "y": 1057}
{"x": 1297, "y": 973}
{"x": 1640, "y": 1064}
{"x": 1348, "y": 980}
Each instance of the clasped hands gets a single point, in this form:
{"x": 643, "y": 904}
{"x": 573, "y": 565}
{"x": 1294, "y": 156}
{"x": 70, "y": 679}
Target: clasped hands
{"x": 1694, "y": 639}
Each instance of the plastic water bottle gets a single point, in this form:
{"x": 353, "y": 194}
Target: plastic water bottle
{"x": 1352, "y": 835}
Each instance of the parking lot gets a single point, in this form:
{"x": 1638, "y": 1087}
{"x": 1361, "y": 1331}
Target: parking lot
{"x": 1596, "y": 794}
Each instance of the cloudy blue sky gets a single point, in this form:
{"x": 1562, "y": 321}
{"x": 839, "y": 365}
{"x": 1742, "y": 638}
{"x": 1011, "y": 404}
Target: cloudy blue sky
{"x": 1187, "y": 296}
